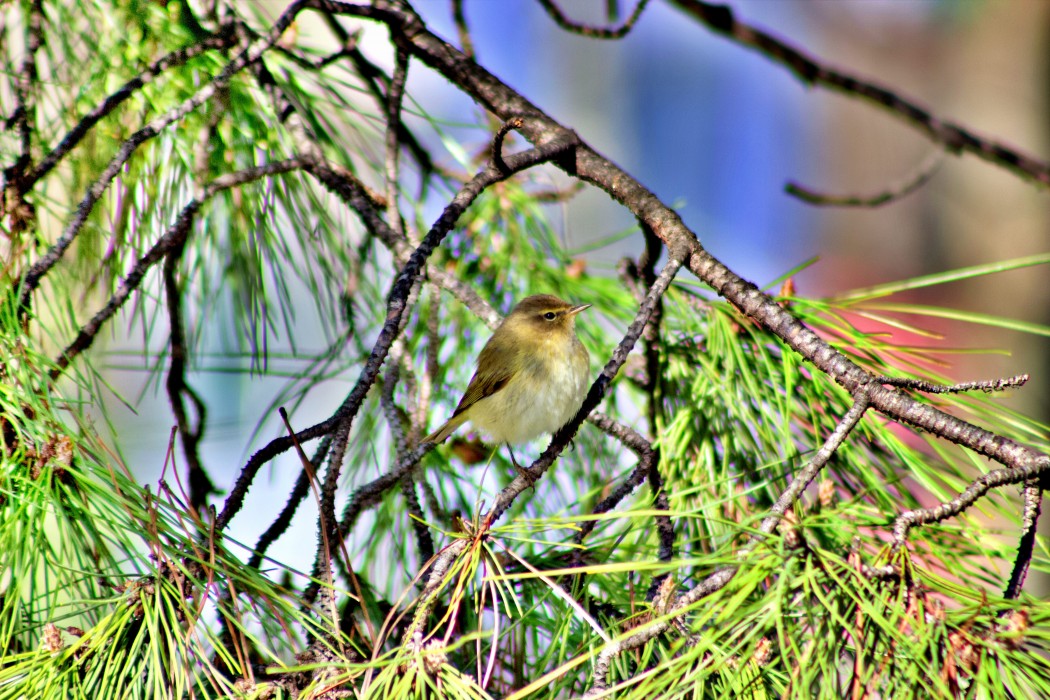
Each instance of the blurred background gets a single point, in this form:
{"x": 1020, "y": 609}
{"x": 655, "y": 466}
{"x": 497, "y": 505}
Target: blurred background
{"x": 717, "y": 130}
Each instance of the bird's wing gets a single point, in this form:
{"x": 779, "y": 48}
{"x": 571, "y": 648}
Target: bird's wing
{"x": 482, "y": 384}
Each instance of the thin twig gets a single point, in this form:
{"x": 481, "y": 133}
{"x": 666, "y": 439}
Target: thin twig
{"x": 397, "y": 420}
{"x": 1033, "y": 501}
{"x": 365, "y": 497}
{"x": 430, "y": 370}
{"x": 413, "y": 637}
{"x": 920, "y": 177}
{"x": 466, "y": 295}
{"x": 13, "y": 201}
{"x": 977, "y": 488}
{"x": 327, "y": 522}
{"x": 26, "y": 79}
{"x": 394, "y": 94}
{"x": 199, "y": 483}
{"x": 805, "y": 477}
{"x": 342, "y": 430}
{"x": 589, "y": 31}
{"x": 459, "y": 18}
{"x": 376, "y": 82}
{"x": 327, "y": 549}
{"x": 497, "y": 143}
{"x": 636, "y": 443}
{"x": 299, "y": 492}
{"x": 174, "y": 236}
{"x": 987, "y": 385}
{"x": 654, "y": 373}
{"x": 366, "y": 203}
{"x": 320, "y": 64}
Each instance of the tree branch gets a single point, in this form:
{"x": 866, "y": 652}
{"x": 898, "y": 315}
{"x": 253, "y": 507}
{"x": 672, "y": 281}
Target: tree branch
{"x": 13, "y": 202}
{"x": 394, "y": 94}
{"x": 954, "y": 137}
{"x": 397, "y": 419}
{"x": 299, "y": 492}
{"x": 1026, "y": 471}
{"x": 636, "y": 443}
{"x": 199, "y": 483}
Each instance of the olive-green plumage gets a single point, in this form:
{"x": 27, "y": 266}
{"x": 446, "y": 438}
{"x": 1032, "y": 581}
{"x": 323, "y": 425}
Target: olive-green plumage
{"x": 531, "y": 377}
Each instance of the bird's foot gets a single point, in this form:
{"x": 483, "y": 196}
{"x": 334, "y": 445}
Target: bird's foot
{"x": 523, "y": 472}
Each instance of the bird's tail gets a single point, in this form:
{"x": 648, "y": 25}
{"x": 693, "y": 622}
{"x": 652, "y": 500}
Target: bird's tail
{"x": 441, "y": 434}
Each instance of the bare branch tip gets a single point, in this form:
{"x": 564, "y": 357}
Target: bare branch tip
{"x": 497, "y": 142}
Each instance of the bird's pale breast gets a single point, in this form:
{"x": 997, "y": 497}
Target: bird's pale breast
{"x": 541, "y": 398}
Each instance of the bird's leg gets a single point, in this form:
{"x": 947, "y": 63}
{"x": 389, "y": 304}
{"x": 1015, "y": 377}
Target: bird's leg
{"x": 522, "y": 471}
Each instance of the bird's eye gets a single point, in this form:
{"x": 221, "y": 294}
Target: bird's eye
{"x": 550, "y": 315}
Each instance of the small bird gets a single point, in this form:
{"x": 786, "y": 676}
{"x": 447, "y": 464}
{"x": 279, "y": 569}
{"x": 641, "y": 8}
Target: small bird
{"x": 531, "y": 377}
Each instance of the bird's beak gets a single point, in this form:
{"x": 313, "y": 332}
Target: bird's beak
{"x": 577, "y": 309}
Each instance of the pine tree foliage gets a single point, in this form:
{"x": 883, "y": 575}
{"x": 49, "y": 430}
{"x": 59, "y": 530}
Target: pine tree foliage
{"x": 751, "y": 511}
